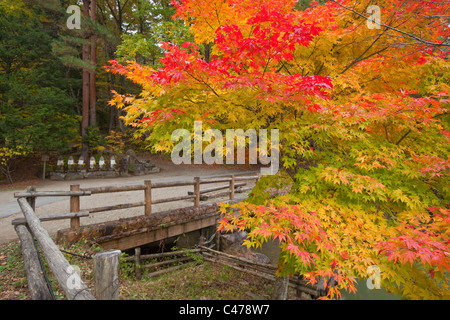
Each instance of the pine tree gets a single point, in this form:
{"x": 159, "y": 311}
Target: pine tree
{"x": 37, "y": 109}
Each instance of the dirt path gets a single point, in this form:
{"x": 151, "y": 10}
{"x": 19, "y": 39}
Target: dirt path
{"x": 10, "y": 210}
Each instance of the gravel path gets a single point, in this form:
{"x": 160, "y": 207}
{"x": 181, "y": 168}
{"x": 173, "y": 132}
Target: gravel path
{"x": 9, "y": 208}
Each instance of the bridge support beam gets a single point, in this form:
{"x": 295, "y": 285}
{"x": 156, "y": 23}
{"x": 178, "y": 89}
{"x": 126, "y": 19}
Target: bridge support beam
{"x": 137, "y": 231}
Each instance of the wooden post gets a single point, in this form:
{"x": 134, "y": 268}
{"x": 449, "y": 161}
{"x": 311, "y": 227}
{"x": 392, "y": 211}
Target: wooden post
{"x": 197, "y": 191}
{"x": 45, "y": 158}
{"x": 75, "y": 207}
{"x": 43, "y": 170}
{"x": 232, "y": 188}
{"x": 281, "y": 288}
{"x": 32, "y": 200}
{"x": 218, "y": 234}
{"x": 37, "y": 286}
{"x": 137, "y": 261}
{"x": 148, "y": 198}
{"x": 106, "y": 275}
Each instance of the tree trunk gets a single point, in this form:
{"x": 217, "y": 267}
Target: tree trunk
{"x": 86, "y": 96}
{"x": 93, "y": 95}
{"x": 112, "y": 110}
{"x": 207, "y": 52}
{"x": 120, "y": 122}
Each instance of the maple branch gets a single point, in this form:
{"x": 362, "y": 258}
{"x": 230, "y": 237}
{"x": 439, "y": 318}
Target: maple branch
{"x": 265, "y": 68}
{"x": 409, "y": 35}
{"x": 386, "y": 132}
{"x": 403, "y": 137}
{"x": 361, "y": 58}
{"x": 283, "y": 66}
{"x": 432, "y": 16}
{"x": 201, "y": 81}
{"x": 442, "y": 3}
{"x": 205, "y": 83}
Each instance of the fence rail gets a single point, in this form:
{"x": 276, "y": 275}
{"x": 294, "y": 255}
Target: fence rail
{"x": 54, "y": 217}
{"x": 35, "y": 194}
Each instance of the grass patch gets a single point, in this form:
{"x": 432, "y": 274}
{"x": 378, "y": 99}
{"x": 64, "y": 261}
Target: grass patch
{"x": 13, "y": 284}
{"x": 13, "y": 281}
{"x": 198, "y": 280}
{"x": 203, "y": 281}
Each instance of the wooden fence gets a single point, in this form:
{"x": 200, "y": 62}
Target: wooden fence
{"x": 107, "y": 262}
{"x": 76, "y": 193}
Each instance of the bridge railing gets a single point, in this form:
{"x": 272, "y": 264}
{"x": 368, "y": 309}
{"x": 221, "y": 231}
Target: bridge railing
{"x": 76, "y": 193}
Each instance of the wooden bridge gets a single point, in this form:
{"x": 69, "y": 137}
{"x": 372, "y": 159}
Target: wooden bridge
{"x": 134, "y": 232}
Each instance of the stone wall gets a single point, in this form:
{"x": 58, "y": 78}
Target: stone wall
{"x": 129, "y": 165}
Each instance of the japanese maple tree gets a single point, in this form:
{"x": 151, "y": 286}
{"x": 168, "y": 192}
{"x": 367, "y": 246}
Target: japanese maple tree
{"x": 363, "y": 120}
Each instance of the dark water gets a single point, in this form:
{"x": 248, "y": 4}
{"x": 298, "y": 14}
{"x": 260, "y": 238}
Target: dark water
{"x": 272, "y": 250}
{"x": 364, "y": 293}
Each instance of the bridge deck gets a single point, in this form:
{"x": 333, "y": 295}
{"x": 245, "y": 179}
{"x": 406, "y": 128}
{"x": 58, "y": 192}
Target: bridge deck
{"x": 133, "y": 232}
